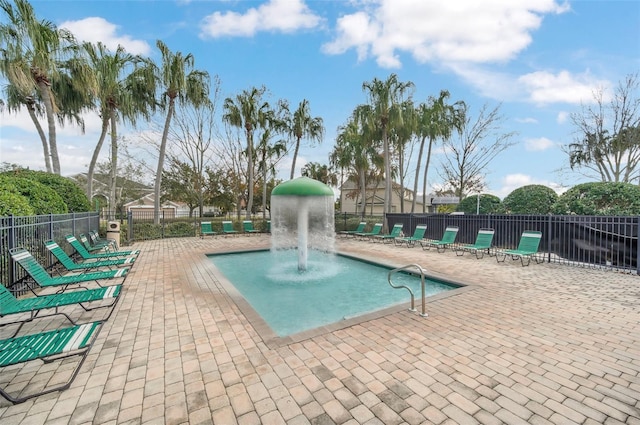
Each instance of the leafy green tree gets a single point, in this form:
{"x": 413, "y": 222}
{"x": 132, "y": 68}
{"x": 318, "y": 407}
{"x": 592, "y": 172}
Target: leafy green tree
{"x": 608, "y": 141}
{"x": 600, "y": 198}
{"x": 181, "y": 83}
{"x": 220, "y": 191}
{"x": 180, "y": 184}
{"x": 488, "y": 204}
{"x": 303, "y": 125}
{"x": 72, "y": 195}
{"x": 385, "y": 99}
{"x": 530, "y": 199}
{"x": 31, "y": 53}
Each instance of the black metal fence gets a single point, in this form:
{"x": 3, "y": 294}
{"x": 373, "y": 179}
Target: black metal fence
{"x": 31, "y": 232}
{"x": 586, "y": 241}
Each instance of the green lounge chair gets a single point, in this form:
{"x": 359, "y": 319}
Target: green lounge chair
{"x": 395, "y": 232}
{"x": 483, "y": 243}
{"x": 48, "y": 346}
{"x": 449, "y": 238}
{"x": 353, "y": 232}
{"x": 247, "y": 227}
{"x": 227, "y": 228}
{"x": 97, "y": 241}
{"x": 106, "y": 249}
{"x": 418, "y": 235}
{"x": 44, "y": 279}
{"x": 527, "y": 248}
{"x": 206, "y": 229}
{"x": 375, "y": 231}
{"x": 72, "y": 266}
{"x": 9, "y": 304}
{"x": 100, "y": 255}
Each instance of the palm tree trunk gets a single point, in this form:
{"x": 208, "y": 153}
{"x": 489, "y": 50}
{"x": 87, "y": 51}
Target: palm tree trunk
{"x": 417, "y": 177}
{"x": 113, "y": 201}
{"x": 363, "y": 193}
{"x": 295, "y": 157}
{"x": 249, "y": 174}
{"x": 43, "y": 137}
{"x": 161, "y": 154}
{"x": 51, "y": 124}
{"x": 387, "y": 176}
{"x": 94, "y": 157}
{"x": 424, "y": 181}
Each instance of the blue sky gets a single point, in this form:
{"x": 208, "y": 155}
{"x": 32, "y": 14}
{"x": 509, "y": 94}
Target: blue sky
{"x": 539, "y": 59}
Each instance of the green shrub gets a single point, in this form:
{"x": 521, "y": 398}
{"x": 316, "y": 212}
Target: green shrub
{"x": 179, "y": 228}
{"x": 489, "y": 204}
{"x": 531, "y": 199}
{"x": 43, "y": 200}
{"x": 12, "y": 203}
{"x": 72, "y": 195}
{"x": 600, "y": 198}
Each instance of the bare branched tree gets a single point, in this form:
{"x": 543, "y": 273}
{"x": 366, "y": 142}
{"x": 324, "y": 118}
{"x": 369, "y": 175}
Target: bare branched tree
{"x": 468, "y": 153}
{"x": 607, "y": 142}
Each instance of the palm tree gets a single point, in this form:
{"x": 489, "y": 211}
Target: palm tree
{"x": 117, "y": 97}
{"x": 15, "y": 101}
{"x": 179, "y": 82}
{"x": 320, "y": 172}
{"x": 31, "y": 50}
{"x": 269, "y": 155}
{"x": 249, "y": 112}
{"x": 435, "y": 119}
{"x": 356, "y": 150}
{"x": 385, "y": 98}
{"x": 302, "y": 124}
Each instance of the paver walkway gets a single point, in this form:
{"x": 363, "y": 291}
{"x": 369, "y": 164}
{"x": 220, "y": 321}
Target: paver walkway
{"x": 545, "y": 344}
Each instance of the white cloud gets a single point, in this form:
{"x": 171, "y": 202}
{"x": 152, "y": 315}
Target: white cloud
{"x": 527, "y": 120}
{"x": 275, "y": 15}
{"x": 545, "y": 87}
{"x": 539, "y": 144}
{"x": 562, "y": 117}
{"x": 440, "y": 32}
{"x": 96, "y": 29}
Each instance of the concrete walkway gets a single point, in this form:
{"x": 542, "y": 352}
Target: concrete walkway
{"x": 545, "y": 344}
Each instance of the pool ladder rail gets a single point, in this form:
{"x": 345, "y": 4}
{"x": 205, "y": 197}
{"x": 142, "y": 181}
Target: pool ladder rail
{"x": 422, "y": 273}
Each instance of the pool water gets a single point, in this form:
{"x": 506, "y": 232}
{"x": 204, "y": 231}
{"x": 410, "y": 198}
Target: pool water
{"x": 332, "y": 288}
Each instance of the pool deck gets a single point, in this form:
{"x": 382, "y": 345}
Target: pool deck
{"x": 544, "y": 344}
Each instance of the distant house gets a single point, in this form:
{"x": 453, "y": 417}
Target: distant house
{"x": 144, "y": 207}
{"x": 374, "y": 205}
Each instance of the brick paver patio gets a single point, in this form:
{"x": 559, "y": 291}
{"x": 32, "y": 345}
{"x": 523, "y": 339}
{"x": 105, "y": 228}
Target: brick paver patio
{"x": 545, "y": 344}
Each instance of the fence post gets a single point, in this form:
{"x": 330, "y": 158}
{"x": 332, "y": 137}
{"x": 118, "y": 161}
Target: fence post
{"x": 549, "y": 238}
{"x": 638, "y": 245}
{"x": 129, "y": 227}
{"x": 12, "y": 244}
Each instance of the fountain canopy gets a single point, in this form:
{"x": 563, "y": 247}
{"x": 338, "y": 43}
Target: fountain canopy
{"x": 302, "y": 186}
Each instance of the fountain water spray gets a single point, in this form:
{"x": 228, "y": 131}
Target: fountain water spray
{"x": 302, "y": 216}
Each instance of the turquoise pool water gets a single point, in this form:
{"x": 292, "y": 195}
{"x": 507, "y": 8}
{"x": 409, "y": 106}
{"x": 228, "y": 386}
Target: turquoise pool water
{"x": 333, "y": 287}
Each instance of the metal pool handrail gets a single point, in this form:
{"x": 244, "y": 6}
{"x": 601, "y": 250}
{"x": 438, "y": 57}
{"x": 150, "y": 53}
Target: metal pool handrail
{"x": 422, "y": 275}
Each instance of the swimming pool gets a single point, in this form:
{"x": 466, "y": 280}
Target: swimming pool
{"x": 333, "y": 287}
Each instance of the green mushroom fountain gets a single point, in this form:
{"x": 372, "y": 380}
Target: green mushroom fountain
{"x": 302, "y": 218}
